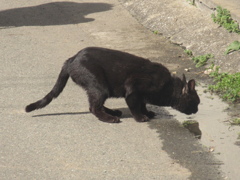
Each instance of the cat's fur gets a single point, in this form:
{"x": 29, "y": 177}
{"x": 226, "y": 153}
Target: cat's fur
{"x": 106, "y": 73}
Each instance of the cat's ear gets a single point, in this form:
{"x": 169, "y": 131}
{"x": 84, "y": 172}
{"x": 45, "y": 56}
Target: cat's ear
{"x": 185, "y": 85}
{"x": 184, "y": 79}
{"x": 191, "y": 85}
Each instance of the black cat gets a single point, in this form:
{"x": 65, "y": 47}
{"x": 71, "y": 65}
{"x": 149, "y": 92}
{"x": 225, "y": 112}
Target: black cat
{"x": 106, "y": 73}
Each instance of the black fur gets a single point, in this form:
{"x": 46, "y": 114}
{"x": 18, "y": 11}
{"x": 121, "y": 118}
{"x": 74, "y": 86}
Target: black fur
{"x": 106, "y": 73}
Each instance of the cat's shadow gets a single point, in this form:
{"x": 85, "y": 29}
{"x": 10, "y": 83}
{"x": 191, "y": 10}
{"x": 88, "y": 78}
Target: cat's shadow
{"x": 61, "y": 114}
{"x": 125, "y": 113}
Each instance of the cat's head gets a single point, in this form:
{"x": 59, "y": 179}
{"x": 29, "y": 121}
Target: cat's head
{"x": 189, "y": 100}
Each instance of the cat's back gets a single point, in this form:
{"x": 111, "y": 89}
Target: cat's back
{"x": 114, "y": 62}
{"x": 115, "y": 68}
{"x": 106, "y": 56}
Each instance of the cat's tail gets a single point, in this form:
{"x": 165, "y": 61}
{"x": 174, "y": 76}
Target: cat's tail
{"x": 57, "y": 89}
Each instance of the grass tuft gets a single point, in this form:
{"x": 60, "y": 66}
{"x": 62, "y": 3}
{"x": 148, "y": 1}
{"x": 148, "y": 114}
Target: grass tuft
{"x": 224, "y": 19}
{"x": 226, "y": 85}
{"x": 202, "y": 60}
{"x": 234, "y": 46}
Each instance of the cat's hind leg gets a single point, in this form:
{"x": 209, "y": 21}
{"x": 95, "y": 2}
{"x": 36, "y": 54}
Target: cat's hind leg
{"x": 96, "y": 101}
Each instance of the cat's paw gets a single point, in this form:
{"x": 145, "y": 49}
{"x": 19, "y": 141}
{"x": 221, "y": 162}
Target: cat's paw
{"x": 151, "y": 114}
{"x": 115, "y": 120}
{"x": 142, "y": 119}
{"x": 112, "y": 119}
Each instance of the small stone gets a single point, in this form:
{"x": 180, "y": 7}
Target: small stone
{"x": 208, "y": 71}
{"x": 211, "y": 149}
{"x": 193, "y": 127}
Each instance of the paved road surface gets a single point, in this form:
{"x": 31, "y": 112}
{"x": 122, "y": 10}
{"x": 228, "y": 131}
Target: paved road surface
{"x": 63, "y": 140}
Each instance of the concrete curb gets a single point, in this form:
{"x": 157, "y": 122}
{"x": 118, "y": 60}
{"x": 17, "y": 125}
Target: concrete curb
{"x": 189, "y": 26}
{"x": 232, "y": 5}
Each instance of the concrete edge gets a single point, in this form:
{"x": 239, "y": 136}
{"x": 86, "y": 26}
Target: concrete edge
{"x": 212, "y": 6}
{"x": 189, "y": 26}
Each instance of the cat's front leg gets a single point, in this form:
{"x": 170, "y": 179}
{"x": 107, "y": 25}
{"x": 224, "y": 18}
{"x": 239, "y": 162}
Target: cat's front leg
{"x": 149, "y": 114}
{"x": 134, "y": 103}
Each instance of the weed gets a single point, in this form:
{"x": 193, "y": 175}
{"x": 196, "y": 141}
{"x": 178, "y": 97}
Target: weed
{"x": 234, "y": 46}
{"x": 202, "y": 60}
{"x": 226, "y": 85}
{"x": 223, "y": 18}
{"x": 188, "y": 52}
{"x": 192, "y": 2}
{"x": 188, "y": 122}
{"x": 155, "y": 32}
{"x": 235, "y": 121}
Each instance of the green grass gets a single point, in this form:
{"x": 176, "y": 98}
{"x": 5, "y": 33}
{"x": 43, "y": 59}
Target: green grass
{"x": 226, "y": 85}
{"x": 202, "y": 60}
{"x": 188, "y": 52}
{"x": 199, "y": 60}
{"x": 235, "y": 121}
{"x": 192, "y": 2}
{"x": 224, "y": 19}
{"x": 234, "y": 46}
{"x": 187, "y": 123}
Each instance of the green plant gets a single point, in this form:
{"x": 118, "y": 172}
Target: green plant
{"x": 223, "y": 18}
{"x": 188, "y": 52}
{"x": 188, "y": 122}
{"x": 234, "y": 46}
{"x": 155, "y": 32}
{"x": 192, "y": 2}
{"x": 226, "y": 85}
{"x": 235, "y": 121}
{"x": 202, "y": 60}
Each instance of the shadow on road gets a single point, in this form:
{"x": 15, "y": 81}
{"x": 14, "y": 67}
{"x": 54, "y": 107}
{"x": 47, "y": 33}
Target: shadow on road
{"x": 56, "y": 13}
{"x": 125, "y": 111}
{"x": 185, "y": 149}
{"x": 61, "y": 114}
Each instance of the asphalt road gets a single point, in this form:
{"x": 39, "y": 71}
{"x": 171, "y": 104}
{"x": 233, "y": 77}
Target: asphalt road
{"x": 63, "y": 140}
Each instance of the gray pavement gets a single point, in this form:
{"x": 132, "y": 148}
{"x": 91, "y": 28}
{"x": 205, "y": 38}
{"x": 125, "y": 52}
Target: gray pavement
{"x": 63, "y": 140}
